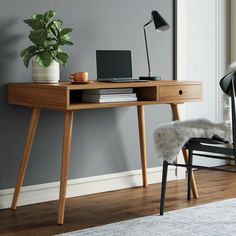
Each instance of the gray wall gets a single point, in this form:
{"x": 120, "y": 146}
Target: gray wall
{"x": 104, "y": 141}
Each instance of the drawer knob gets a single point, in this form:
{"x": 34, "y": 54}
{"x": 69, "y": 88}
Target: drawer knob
{"x": 181, "y": 92}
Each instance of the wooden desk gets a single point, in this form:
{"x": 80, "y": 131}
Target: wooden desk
{"x": 66, "y": 97}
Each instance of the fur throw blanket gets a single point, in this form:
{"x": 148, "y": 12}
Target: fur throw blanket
{"x": 170, "y": 137}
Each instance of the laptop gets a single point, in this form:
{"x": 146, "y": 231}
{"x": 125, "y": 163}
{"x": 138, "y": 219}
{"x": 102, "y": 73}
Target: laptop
{"x": 115, "y": 66}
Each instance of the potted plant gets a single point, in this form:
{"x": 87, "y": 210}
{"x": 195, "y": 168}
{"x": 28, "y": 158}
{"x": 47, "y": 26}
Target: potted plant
{"x": 47, "y": 36}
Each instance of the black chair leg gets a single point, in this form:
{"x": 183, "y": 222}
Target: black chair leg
{"x": 190, "y": 162}
{"x": 163, "y": 186}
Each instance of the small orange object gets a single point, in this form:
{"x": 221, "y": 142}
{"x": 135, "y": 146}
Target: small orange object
{"x": 79, "y": 77}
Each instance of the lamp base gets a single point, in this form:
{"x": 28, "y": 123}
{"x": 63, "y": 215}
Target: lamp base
{"x": 150, "y": 77}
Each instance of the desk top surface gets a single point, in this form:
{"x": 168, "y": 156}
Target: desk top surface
{"x": 99, "y": 85}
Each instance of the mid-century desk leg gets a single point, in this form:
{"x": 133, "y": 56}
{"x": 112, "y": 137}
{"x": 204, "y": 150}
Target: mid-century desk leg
{"x": 32, "y": 127}
{"x": 175, "y": 112}
{"x": 68, "y": 124}
{"x": 142, "y": 140}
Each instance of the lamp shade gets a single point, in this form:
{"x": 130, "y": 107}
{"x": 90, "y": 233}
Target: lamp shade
{"x": 159, "y": 22}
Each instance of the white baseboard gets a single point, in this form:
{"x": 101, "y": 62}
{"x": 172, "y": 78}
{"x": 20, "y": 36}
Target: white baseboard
{"x": 84, "y": 186}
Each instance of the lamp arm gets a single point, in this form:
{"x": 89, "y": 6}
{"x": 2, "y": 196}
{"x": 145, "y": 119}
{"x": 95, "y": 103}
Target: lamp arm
{"x": 146, "y": 44}
{"x": 150, "y": 21}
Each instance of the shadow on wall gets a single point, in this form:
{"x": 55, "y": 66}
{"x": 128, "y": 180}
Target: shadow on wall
{"x": 8, "y": 43}
{"x": 9, "y": 125}
{"x": 8, "y": 52}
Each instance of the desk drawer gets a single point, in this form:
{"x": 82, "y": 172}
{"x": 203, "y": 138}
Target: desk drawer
{"x": 180, "y": 92}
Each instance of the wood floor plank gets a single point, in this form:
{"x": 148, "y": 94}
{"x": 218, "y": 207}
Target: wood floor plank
{"x": 103, "y": 208}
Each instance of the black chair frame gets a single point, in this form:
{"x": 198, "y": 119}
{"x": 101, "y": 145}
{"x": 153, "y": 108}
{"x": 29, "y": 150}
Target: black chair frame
{"x": 228, "y": 86}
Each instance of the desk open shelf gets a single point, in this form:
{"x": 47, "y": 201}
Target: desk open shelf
{"x": 143, "y": 94}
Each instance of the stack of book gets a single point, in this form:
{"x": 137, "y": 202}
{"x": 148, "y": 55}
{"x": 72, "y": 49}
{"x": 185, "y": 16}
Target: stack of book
{"x": 109, "y": 95}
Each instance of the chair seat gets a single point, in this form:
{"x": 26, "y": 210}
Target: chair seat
{"x": 210, "y": 145}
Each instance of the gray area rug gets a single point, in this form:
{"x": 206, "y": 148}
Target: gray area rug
{"x": 218, "y": 218}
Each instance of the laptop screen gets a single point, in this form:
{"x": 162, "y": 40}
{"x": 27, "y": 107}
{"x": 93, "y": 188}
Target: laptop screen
{"x": 112, "y": 64}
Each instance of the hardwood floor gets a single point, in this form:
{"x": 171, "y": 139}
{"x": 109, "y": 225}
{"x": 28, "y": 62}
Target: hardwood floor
{"x": 104, "y": 208}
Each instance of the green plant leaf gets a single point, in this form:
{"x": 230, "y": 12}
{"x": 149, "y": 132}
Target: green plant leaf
{"x": 55, "y": 27}
{"x": 53, "y": 30}
{"x": 67, "y": 42}
{"x": 24, "y": 52}
{"x": 65, "y": 37}
{"x": 44, "y": 58}
{"x": 38, "y": 36}
{"x": 29, "y": 49}
{"x": 50, "y": 44}
{"x": 34, "y": 24}
{"x": 56, "y": 46}
{"x": 61, "y": 58}
{"x": 37, "y": 17}
{"x": 48, "y": 15}
{"x": 27, "y": 58}
{"x": 58, "y": 24}
{"x": 47, "y": 43}
{"x": 53, "y": 53}
{"x": 66, "y": 31}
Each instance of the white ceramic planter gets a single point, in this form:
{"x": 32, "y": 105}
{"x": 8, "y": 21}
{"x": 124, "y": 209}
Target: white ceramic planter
{"x": 50, "y": 74}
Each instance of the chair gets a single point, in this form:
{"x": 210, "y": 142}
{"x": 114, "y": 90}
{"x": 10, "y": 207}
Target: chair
{"x": 208, "y": 146}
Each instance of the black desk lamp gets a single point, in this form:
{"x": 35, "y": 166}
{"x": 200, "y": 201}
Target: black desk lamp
{"x": 160, "y": 25}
